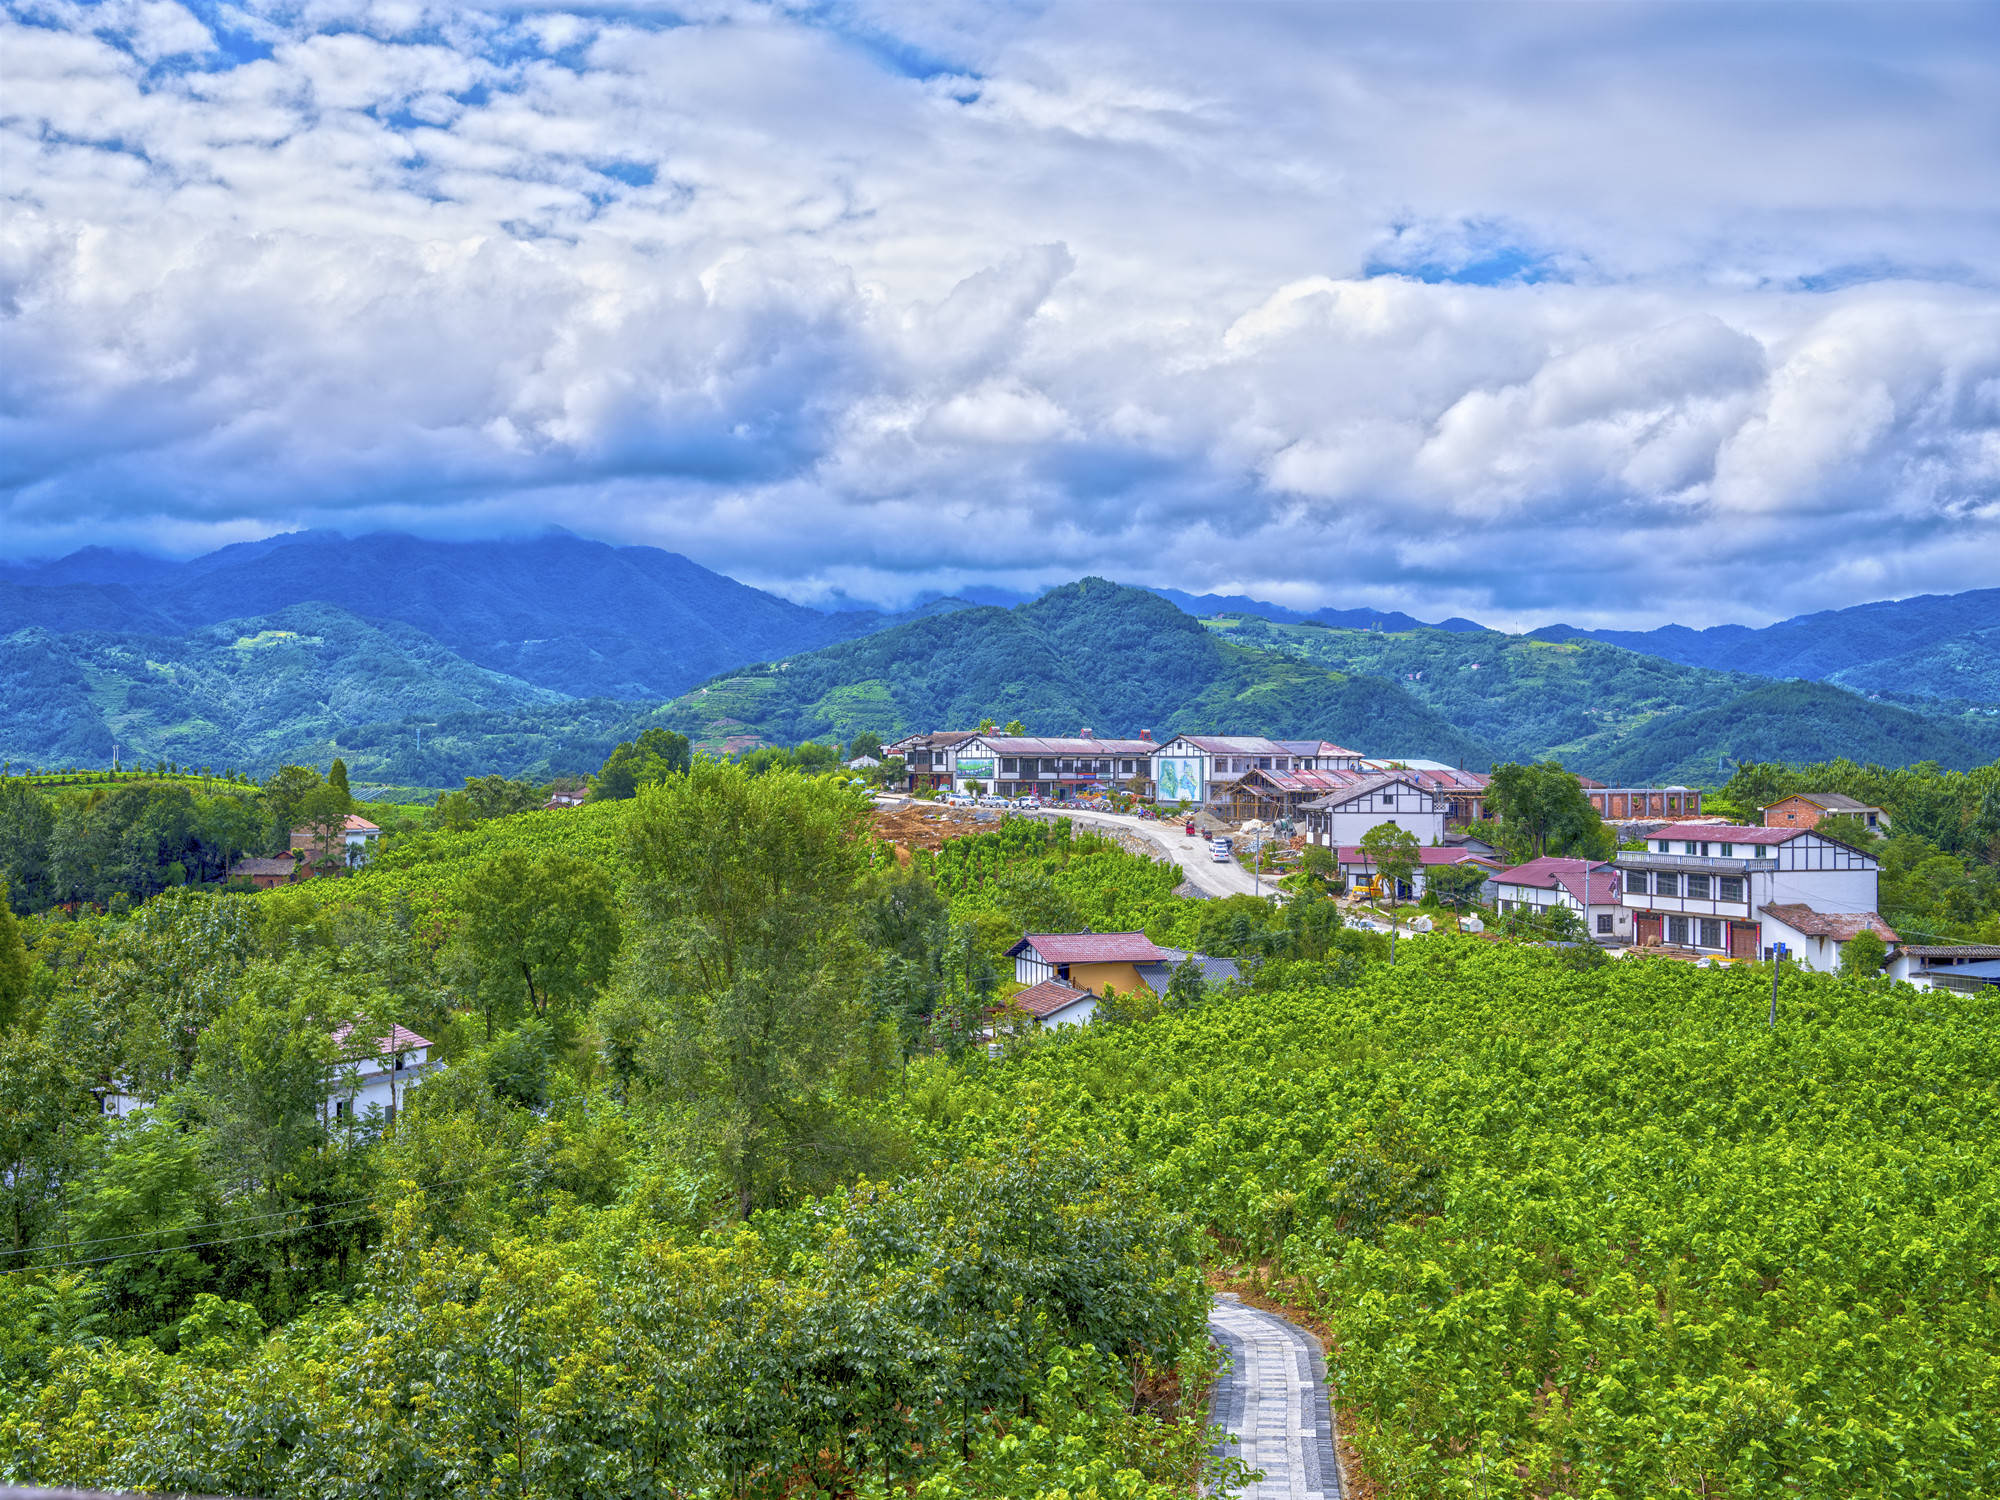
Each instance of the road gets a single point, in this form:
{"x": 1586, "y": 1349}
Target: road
{"x": 1191, "y": 854}
{"x": 1272, "y": 1403}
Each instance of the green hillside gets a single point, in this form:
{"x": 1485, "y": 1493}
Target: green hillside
{"x": 1092, "y": 654}
{"x": 1963, "y": 667}
{"x": 1618, "y": 715}
{"x": 246, "y": 692}
{"x": 1797, "y": 722}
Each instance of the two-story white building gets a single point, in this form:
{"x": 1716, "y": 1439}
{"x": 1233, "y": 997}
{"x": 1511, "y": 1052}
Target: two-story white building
{"x": 1736, "y": 891}
{"x": 1592, "y": 888}
{"x": 1003, "y": 765}
{"x": 928, "y": 758}
{"x": 1342, "y": 817}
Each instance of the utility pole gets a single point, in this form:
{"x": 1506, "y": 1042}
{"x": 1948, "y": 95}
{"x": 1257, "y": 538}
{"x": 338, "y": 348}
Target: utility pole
{"x": 1777, "y": 963}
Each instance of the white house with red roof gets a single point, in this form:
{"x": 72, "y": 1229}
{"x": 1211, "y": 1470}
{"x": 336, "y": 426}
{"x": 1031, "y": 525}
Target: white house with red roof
{"x": 1005, "y": 765}
{"x": 1053, "y": 1003}
{"x": 1340, "y": 818}
{"x": 1733, "y": 891}
{"x": 1357, "y": 867}
{"x": 1592, "y": 888}
{"x": 376, "y": 1073}
{"x": 355, "y": 843}
{"x": 373, "y": 1073}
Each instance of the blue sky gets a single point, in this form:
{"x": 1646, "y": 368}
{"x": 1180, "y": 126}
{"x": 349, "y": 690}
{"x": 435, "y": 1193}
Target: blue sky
{"x": 1610, "y": 313}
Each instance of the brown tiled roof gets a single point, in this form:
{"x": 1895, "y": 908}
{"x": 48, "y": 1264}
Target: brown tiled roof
{"x": 1838, "y": 925}
{"x": 1969, "y": 952}
{"x": 1835, "y": 802}
{"x": 1091, "y": 947}
{"x": 1552, "y": 870}
{"x": 257, "y": 865}
{"x": 1366, "y": 786}
{"x": 1729, "y": 833}
{"x": 1048, "y": 997}
{"x": 399, "y": 1039}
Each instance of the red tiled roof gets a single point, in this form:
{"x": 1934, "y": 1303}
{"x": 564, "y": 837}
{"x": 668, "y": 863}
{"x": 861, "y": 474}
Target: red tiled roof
{"x": 1048, "y": 997}
{"x": 1017, "y": 745}
{"x": 1551, "y": 870}
{"x": 256, "y": 865}
{"x": 1091, "y": 947}
{"x": 1366, "y": 786}
{"x": 1838, "y": 925}
{"x": 398, "y": 1040}
{"x": 1728, "y": 833}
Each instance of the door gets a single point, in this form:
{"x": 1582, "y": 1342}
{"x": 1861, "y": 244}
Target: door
{"x": 1649, "y": 930}
{"x": 1743, "y": 940}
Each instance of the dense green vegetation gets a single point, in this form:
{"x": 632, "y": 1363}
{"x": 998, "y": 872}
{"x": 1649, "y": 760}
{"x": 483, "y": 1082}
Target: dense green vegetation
{"x": 1588, "y": 1232}
{"x": 1622, "y": 717}
{"x": 1092, "y": 654}
{"x": 720, "y": 1193}
{"x": 1941, "y": 853}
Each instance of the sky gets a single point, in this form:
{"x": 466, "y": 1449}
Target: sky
{"x": 1610, "y": 314}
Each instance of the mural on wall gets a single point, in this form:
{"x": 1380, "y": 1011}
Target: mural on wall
{"x": 1178, "y": 779}
{"x": 975, "y": 767}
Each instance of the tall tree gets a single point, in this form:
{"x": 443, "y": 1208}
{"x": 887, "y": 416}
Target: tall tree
{"x": 748, "y": 891}
{"x": 284, "y": 793}
{"x": 646, "y": 761}
{"x": 336, "y": 777}
{"x": 539, "y": 936}
{"x": 14, "y": 968}
{"x": 1543, "y": 810}
{"x": 1395, "y": 854}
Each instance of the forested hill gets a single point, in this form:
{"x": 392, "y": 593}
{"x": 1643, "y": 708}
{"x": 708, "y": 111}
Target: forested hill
{"x": 579, "y": 617}
{"x": 1847, "y": 642}
{"x": 1091, "y": 654}
{"x": 1622, "y": 716}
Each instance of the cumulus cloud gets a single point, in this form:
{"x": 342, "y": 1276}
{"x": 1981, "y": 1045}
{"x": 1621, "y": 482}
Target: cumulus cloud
{"x": 1497, "y": 312}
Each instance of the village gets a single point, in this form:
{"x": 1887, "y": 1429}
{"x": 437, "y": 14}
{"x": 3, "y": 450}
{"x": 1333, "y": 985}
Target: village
{"x": 1682, "y": 884}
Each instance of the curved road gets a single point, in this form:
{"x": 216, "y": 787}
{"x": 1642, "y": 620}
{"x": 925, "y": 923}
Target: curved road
{"x": 1191, "y": 854}
{"x": 1272, "y": 1401}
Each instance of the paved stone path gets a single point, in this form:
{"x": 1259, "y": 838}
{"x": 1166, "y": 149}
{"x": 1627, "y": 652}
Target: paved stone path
{"x": 1272, "y": 1401}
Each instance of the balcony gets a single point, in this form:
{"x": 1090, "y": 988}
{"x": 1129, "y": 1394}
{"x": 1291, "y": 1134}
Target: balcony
{"x": 1708, "y": 864}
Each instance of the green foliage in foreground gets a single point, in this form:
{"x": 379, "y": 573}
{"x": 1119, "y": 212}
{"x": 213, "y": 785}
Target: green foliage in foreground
{"x": 968, "y": 1328}
{"x": 1604, "y": 1230}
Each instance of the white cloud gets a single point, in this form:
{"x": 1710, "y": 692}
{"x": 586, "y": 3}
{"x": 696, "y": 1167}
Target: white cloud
{"x": 922, "y": 294}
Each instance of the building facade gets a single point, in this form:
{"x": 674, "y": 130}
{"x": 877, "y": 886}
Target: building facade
{"x": 1711, "y": 889}
{"x": 1805, "y": 809}
{"x": 1001, "y": 765}
{"x": 1341, "y": 818}
{"x": 1591, "y": 888}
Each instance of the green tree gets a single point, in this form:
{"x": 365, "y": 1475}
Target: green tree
{"x": 284, "y": 796}
{"x": 865, "y": 743}
{"x": 656, "y": 755}
{"x": 15, "y": 969}
{"x": 498, "y": 797}
{"x": 336, "y": 777}
{"x": 1016, "y": 728}
{"x": 1862, "y": 956}
{"x": 1395, "y": 854}
{"x": 1456, "y": 886}
{"x": 538, "y": 937}
{"x": 747, "y": 888}
{"x": 1543, "y": 810}
{"x": 323, "y": 813}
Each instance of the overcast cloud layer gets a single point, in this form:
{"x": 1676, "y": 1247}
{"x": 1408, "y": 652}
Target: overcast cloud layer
{"x": 1612, "y": 314}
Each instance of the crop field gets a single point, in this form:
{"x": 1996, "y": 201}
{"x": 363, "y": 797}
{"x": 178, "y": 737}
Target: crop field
{"x": 1600, "y": 1233}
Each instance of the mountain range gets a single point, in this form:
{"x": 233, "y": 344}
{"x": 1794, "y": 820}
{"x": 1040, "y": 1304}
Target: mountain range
{"x": 422, "y": 661}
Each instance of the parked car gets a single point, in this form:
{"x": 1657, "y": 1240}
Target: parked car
{"x": 1220, "y": 850}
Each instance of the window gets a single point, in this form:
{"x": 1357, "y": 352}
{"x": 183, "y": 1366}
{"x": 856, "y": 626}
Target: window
{"x": 1711, "y": 933}
{"x": 1697, "y": 887}
{"x": 1659, "y": 846}
{"x": 1677, "y": 931}
{"x": 1009, "y": 767}
{"x": 1263, "y": 762}
{"x": 1604, "y": 924}
{"x": 1731, "y": 888}
{"x": 343, "y": 1109}
{"x": 1669, "y": 884}
{"x": 1688, "y": 846}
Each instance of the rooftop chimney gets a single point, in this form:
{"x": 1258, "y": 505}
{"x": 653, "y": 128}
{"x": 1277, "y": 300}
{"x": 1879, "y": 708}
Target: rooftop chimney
{"x": 1146, "y": 734}
{"x": 1084, "y": 733}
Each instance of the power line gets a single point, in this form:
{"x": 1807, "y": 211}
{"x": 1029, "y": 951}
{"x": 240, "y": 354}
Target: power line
{"x": 276, "y": 1213}
{"x": 98, "y": 1260}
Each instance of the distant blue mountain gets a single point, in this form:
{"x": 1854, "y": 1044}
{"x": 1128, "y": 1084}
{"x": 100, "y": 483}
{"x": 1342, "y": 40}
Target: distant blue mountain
{"x": 583, "y": 618}
{"x": 1849, "y": 642}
